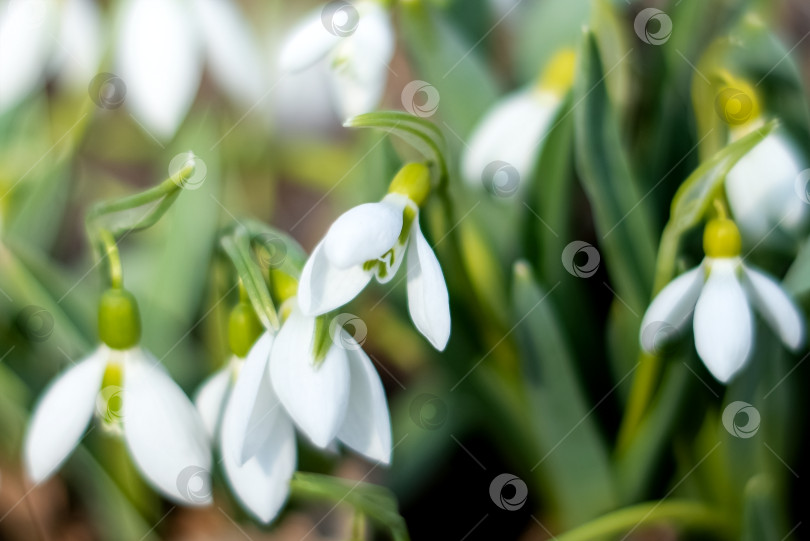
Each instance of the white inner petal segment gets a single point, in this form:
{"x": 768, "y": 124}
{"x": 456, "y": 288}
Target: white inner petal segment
{"x": 776, "y": 307}
{"x": 62, "y": 415}
{"x": 723, "y": 321}
{"x": 164, "y": 433}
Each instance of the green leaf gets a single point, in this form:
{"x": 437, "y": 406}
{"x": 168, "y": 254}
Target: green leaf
{"x": 422, "y": 134}
{"x": 762, "y": 511}
{"x": 376, "y": 502}
{"x": 575, "y": 458}
{"x": 621, "y": 218}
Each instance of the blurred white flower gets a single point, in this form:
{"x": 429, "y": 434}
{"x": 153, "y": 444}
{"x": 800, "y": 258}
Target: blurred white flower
{"x": 337, "y": 397}
{"x": 358, "y": 41}
{"x": 720, "y": 291}
{"x": 256, "y": 438}
{"x": 514, "y": 129}
{"x": 161, "y": 49}
{"x": 761, "y": 189}
{"x": 46, "y": 37}
{"x": 371, "y": 240}
{"x": 162, "y": 430}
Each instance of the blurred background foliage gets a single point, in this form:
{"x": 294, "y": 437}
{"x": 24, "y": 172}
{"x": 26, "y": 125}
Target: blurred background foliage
{"x": 538, "y": 377}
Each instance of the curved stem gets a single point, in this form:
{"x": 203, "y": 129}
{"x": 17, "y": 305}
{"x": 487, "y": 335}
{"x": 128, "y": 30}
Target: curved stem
{"x": 113, "y": 258}
{"x": 691, "y": 515}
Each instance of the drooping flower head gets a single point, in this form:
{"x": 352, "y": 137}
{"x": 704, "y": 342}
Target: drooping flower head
{"x": 720, "y": 292}
{"x": 125, "y": 387}
{"x": 371, "y": 240}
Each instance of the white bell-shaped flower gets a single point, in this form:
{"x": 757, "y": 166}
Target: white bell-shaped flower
{"x": 161, "y": 49}
{"x": 720, "y": 292}
{"x": 47, "y": 37}
{"x": 256, "y": 438}
{"x": 331, "y": 391}
{"x": 372, "y": 240}
{"x": 358, "y": 42}
{"x": 162, "y": 430}
{"x": 509, "y": 138}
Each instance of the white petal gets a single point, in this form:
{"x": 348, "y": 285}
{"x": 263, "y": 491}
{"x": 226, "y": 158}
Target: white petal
{"x": 672, "y": 306}
{"x": 211, "y": 397}
{"x": 25, "y": 43}
{"x": 363, "y": 233}
{"x": 261, "y": 483}
{"x": 723, "y": 322}
{"x": 367, "y": 426}
{"x": 512, "y": 132}
{"x": 427, "y": 291}
{"x": 253, "y": 406}
{"x": 159, "y": 60}
{"x": 315, "y": 396}
{"x": 62, "y": 415}
{"x": 233, "y": 51}
{"x": 307, "y": 43}
{"x": 323, "y": 287}
{"x": 360, "y": 62}
{"x": 78, "y": 52}
{"x": 761, "y": 189}
{"x": 776, "y": 307}
{"x": 164, "y": 433}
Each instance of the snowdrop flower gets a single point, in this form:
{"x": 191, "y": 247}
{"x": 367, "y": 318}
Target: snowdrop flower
{"x": 761, "y": 185}
{"x": 371, "y": 240}
{"x": 329, "y": 387}
{"x": 358, "y": 41}
{"x": 162, "y": 45}
{"x": 721, "y": 291}
{"x": 511, "y": 133}
{"x": 240, "y": 409}
{"x": 162, "y": 430}
{"x": 43, "y": 37}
